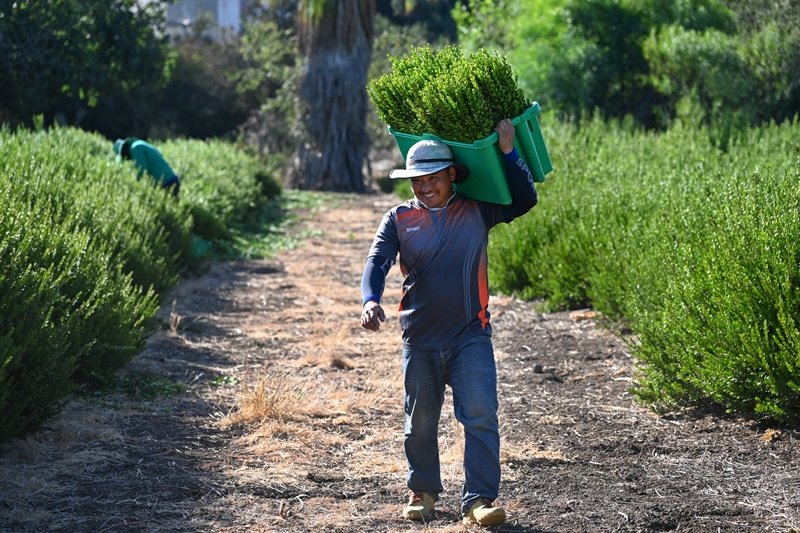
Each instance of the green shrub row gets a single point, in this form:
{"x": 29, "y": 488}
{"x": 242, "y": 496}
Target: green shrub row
{"x": 228, "y": 184}
{"x": 696, "y": 250}
{"x": 87, "y": 248}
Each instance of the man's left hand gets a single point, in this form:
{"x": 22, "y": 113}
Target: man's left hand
{"x": 505, "y": 129}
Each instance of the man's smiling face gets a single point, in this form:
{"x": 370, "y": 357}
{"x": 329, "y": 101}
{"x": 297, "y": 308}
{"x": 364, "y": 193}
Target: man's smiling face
{"x": 435, "y": 189}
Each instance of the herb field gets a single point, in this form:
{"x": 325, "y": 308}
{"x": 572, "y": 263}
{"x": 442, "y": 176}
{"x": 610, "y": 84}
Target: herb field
{"x": 692, "y": 249}
{"x": 87, "y": 249}
{"x": 695, "y": 250}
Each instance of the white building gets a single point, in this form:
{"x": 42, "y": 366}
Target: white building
{"x": 226, "y": 16}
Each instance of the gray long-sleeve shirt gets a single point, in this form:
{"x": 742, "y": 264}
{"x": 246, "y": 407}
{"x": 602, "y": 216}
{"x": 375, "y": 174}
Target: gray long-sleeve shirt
{"x": 443, "y": 256}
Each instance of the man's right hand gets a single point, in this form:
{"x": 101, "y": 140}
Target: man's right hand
{"x": 372, "y": 315}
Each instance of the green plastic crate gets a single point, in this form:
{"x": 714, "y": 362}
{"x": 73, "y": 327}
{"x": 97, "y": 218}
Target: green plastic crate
{"x": 487, "y": 169}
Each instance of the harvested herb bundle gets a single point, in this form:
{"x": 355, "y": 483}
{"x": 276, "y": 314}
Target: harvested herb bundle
{"x": 456, "y": 96}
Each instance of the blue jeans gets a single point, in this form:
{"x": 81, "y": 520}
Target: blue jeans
{"x": 470, "y": 371}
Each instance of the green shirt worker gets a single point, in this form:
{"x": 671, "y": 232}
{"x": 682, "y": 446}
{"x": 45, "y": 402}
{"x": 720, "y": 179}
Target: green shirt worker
{"x": 148, "y": 159}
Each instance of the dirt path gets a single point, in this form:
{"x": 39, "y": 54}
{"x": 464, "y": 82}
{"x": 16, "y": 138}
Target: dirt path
{"x": 291, "y": 420}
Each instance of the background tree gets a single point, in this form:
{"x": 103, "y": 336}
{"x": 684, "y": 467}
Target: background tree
{"x": 591, "y": 58}
{"x": 271, "y": 73}
{"x": 434, "y": 16}
{"x": 393, "y": 40}
{"x": 485, "y": 24}
{"x": 202, "y": 98}
{"x": 99, "y": 64}
{"x": 727, "y": 63}
{"x": 731, "y": 79}
{"x": 335, "y": 38}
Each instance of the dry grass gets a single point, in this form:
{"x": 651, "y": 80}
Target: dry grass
{"x": 327, "y": 349}
{"x": 291, "y": 395}
{"x": 276, "y": 397}
{"x": 336, "y": 379}
{"x": 174, "y": 319}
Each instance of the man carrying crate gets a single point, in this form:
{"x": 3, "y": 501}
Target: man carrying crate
{"x": 441, "y": 238}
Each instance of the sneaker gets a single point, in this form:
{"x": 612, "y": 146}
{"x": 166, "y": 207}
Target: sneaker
{"x": 483, "y": 514}
{"x": 420, "y": 505}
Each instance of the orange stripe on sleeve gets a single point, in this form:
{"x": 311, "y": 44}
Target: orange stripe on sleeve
{"x": 483, "y": 288}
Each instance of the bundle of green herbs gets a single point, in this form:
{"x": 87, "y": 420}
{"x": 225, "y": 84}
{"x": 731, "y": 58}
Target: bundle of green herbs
{"x": 455, "y": 96}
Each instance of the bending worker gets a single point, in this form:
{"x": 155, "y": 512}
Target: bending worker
{"x": 148, "y": 159}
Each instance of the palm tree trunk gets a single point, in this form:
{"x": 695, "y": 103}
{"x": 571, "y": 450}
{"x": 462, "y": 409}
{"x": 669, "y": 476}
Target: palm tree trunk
{"x": 337, "y": 43}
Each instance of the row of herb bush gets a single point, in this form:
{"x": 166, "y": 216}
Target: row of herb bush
{"x": 222, "y": 183}
{"x": 696, "y": 250}
{"x": 87, "y": 250}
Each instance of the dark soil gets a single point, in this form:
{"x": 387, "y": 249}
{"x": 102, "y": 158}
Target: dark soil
{"x": 290, "y": 419}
